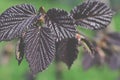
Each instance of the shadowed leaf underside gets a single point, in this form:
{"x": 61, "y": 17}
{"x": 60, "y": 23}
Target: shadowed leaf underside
{"x": 67, "y": 50}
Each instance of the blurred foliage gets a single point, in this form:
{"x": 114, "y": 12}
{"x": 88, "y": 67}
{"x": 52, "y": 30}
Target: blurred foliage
{"x": 11, "y": 70}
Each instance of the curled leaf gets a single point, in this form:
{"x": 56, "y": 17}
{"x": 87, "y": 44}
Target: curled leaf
{"x": 20, "y": 51}
{"x": 88, "y": 46}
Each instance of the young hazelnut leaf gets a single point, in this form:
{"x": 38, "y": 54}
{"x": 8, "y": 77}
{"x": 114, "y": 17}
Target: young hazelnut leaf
{"x": 67, "y": 51}
{"x": 15, "y": 20}
{"x": 93, "y": 15}
{"x": 61, "y": 23}
{"x": 39, "y": 48}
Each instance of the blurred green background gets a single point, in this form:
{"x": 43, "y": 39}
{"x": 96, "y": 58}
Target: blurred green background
{"x": 9, "y": 69}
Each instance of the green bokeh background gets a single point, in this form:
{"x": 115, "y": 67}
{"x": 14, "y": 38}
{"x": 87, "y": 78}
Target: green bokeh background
{"x": 12, "y": 71}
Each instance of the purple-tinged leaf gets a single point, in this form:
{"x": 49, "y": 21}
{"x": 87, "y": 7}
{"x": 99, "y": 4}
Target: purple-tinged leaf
{"x": 61, "y": 23}
{"x": 93, "y": 15}
{"x": 113, "y": 38}
{"x": 39, "y": 48}
{"x": 15, "y": 20}
{"x": 67, "y": 50}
